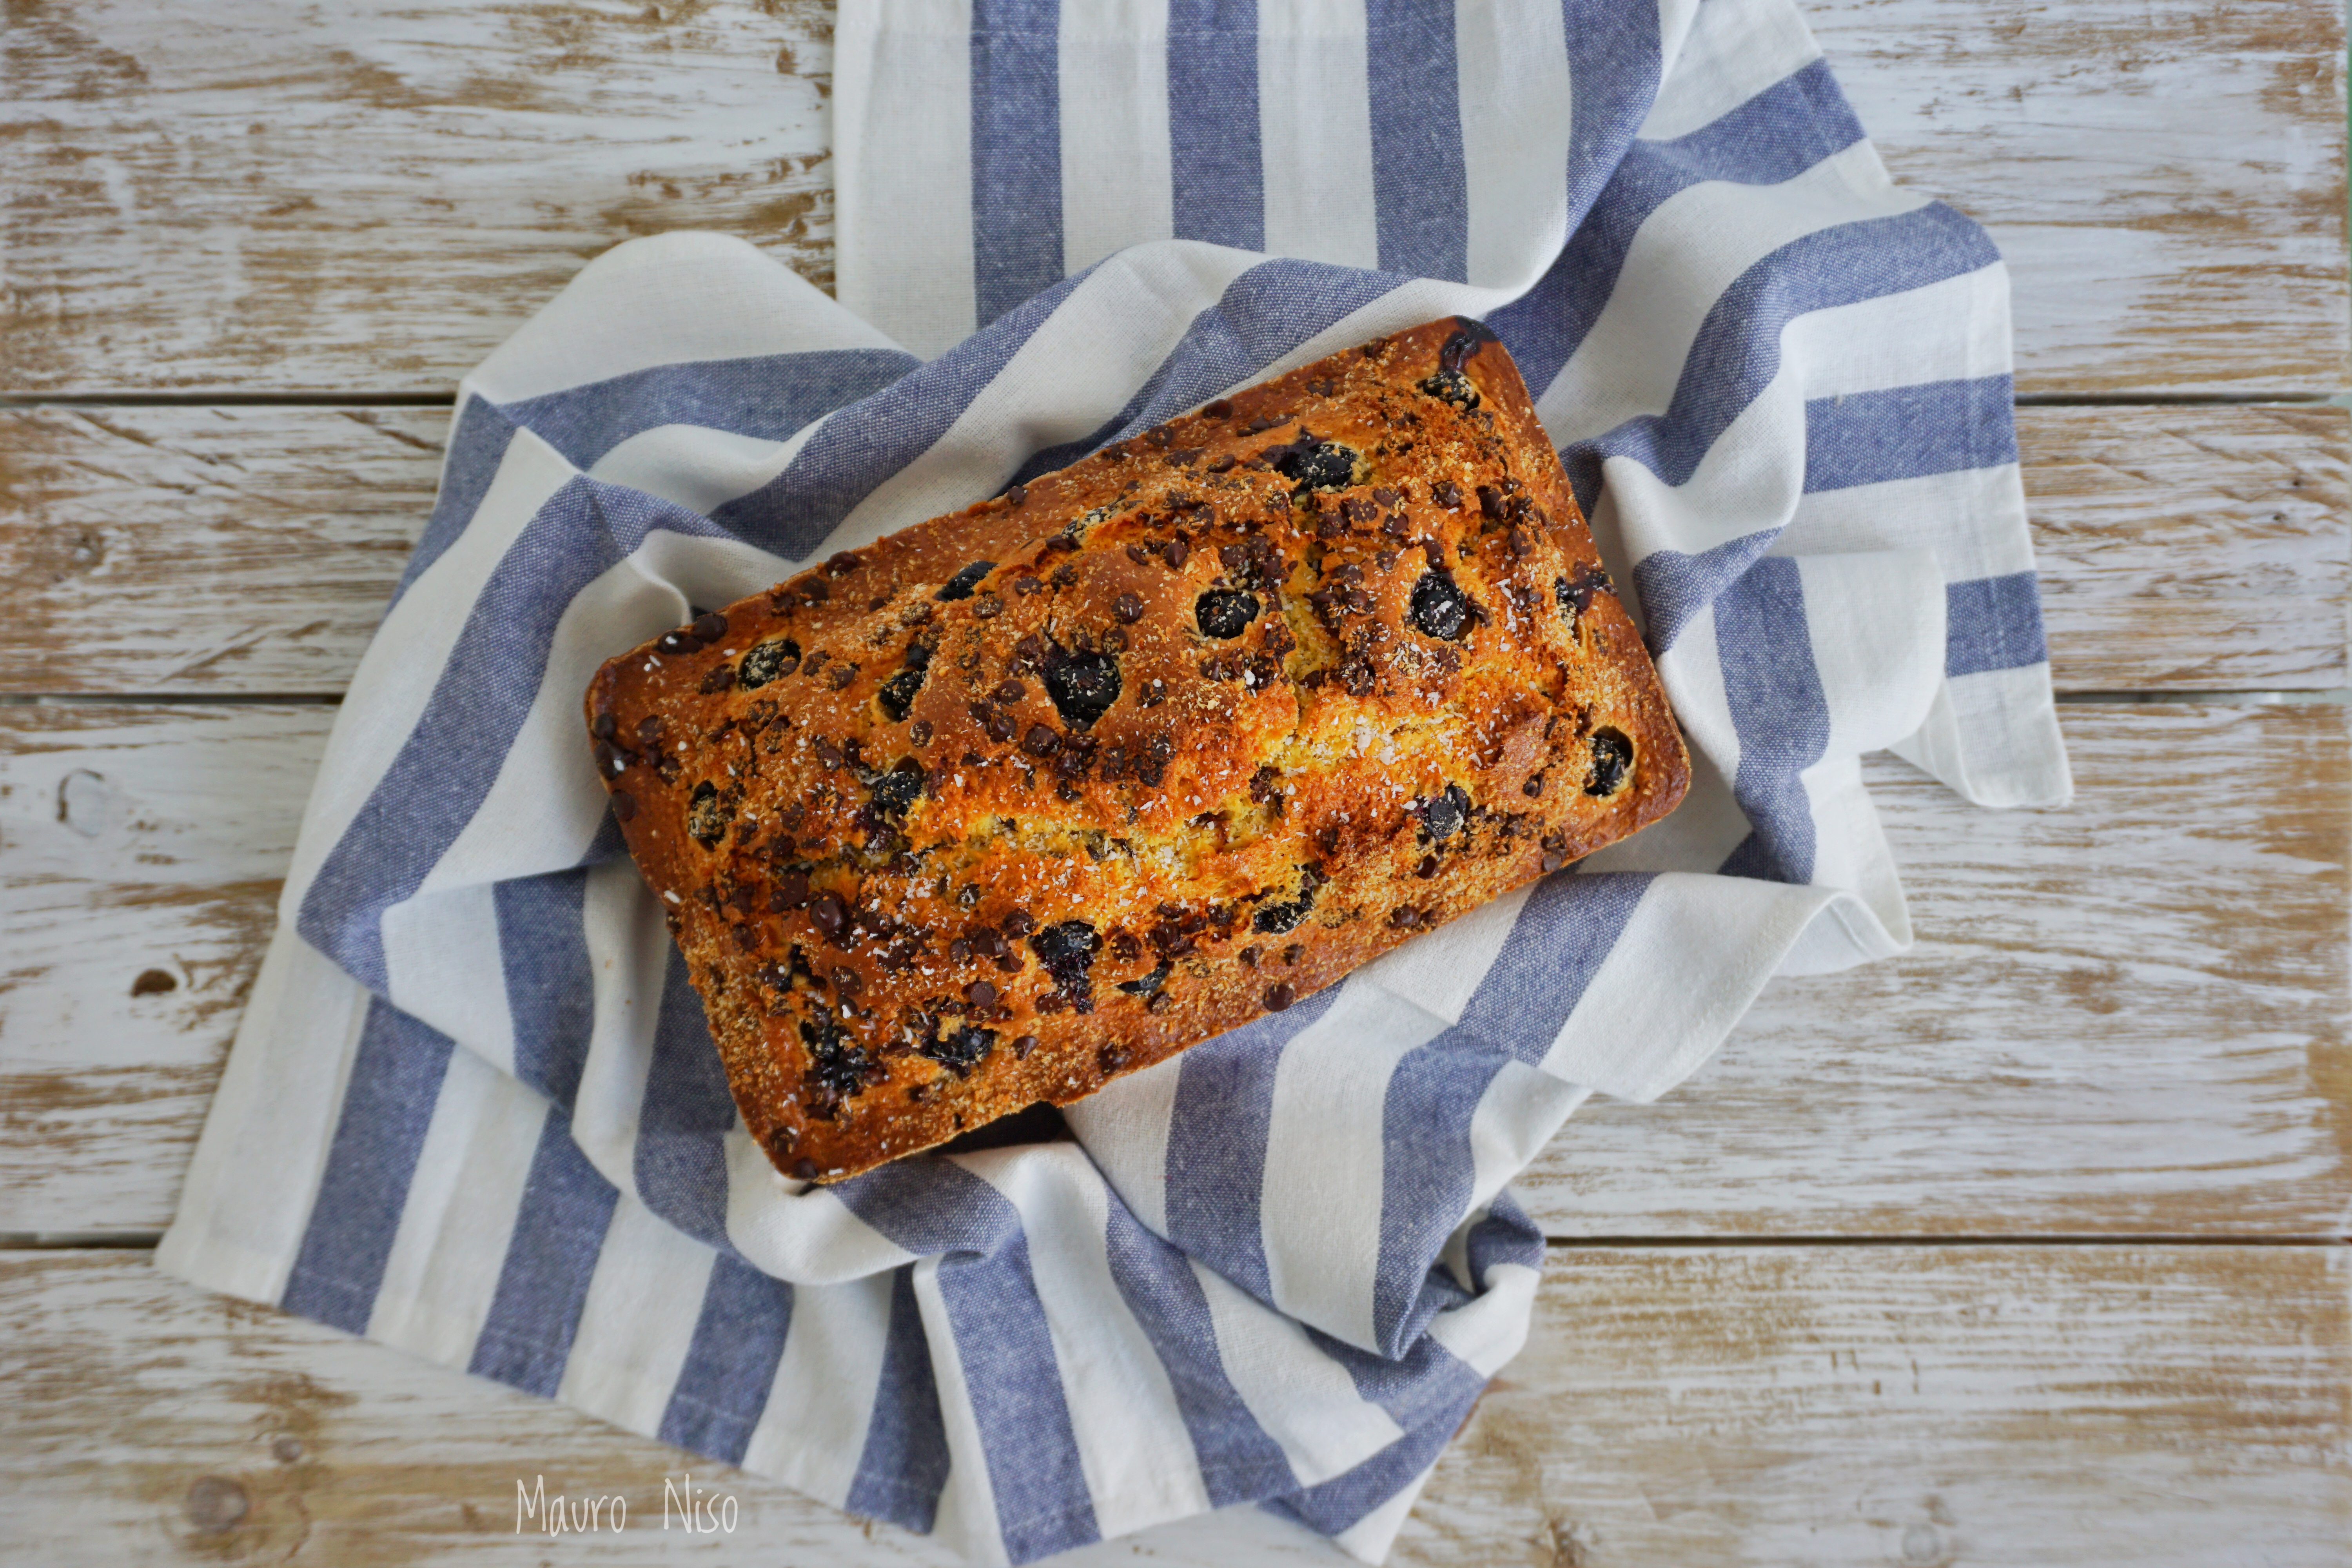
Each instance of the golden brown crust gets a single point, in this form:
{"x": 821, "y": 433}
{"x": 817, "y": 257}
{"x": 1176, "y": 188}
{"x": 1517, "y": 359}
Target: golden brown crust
{"x": 1228, "y": 710}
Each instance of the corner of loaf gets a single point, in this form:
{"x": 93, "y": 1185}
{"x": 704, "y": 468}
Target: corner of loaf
{"x": 1020, "y": 799}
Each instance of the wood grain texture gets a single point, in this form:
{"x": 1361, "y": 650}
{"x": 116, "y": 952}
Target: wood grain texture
{"x": 260, "y": 194}
{"x": 2204, "y": 549}
{"x": 2142, "y": 1405}
{"x": 141, "y": 855}
{"x": 266, "y": 193}
{"x": 2165, "y": 181}
{"x": 2127, "y": 1016}
{"x": 241, "y": 550}
{"x": 221, "y": 549}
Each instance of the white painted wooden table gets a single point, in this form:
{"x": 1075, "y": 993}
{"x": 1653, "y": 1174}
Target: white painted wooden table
{"x": 2026, "y": 1249}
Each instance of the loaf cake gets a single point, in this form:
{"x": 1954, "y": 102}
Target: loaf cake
{"x": 1017, "y": 799}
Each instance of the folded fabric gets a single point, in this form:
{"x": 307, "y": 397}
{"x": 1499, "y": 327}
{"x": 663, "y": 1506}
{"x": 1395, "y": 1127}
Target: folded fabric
{"x": 473, "y": 1111}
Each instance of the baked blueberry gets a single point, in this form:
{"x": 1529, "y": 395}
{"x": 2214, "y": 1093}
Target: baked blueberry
{"x": 1444, "y": 813}
{"x": 961, "y": 1050}
{"x": 767, "y": 661}
{"x": 1440, "y": 608}
{"x": 899, "y": 789}
{"x": 1318, "y": 465}
{"x": 960, "y": 585}
{"x": 1082, "y": 685}
{"x": 1452, "y": 387}
{"x": 706, "y": 818}
{"x": 1224, "y": 612}
{"x": 1612, "y": 758}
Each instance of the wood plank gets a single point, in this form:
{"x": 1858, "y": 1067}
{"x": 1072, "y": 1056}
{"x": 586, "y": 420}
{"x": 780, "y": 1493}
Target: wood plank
{"x": 222, "y": 550}
{"x": 2127, "y": 1016}
{"x": 2198, "y": 549}
{"x": 2166, "y": 181}
{"x": 2142, "y": 1405}
{"x": 219, "y": 550}
{"x": 141, "y": 855}
{"x": 268, "y": 195}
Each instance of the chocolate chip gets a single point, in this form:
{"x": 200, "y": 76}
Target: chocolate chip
{"x": 842, "y": 563}
{"x": 1612, "y": 758}
{"x": 1017, "y": 494}
{"x": 1040, "y": 742}
{"x": 1110, "y": 1057}
{"x": 649, "y": 730}
{"x": 1000, "y": 725}
{"x": 1251, "y": 955}
{"x": 805, "y": 1169}
{"x": 1221, "y": 463}
{"x": 843, "y": 674}
{"x": 790, "y": 892}
{"x": 815, "y": 592}
{"x": 603, "y": 726}
{"x": 830, "y": 914}
{"x": 1533, "y": 787}
{"x": 1219, "y": 409}
{"x": 1176, "y": 553}
{"x": 979, "y": 993}
{"x": 718, "y": 678}
{"x": 1009, "y": 691}
{"x": 1280, "y": 995}
{"x": 624, "y": 805}
{"x": 1129, "y": 608}
{"x": 1448, "y": 494}
{"x": 920, "y": 731}
{"x": 960, "y": 585}
{"x": 1022, "y": 1045}
{"x": 709, "y": 626}
{"x": 674, "y": 643}
{"x": 830, "y": 756}
{"x": 1440, "y": 607}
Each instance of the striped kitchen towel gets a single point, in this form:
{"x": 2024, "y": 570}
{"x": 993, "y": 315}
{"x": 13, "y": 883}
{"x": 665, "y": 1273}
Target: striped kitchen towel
{"x": 473, "y": 1111}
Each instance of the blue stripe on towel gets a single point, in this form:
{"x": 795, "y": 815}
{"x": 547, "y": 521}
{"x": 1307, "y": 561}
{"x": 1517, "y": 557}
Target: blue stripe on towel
{"x": 1420, "y": 184}
{"x": 559, "y": 1233}
{"x": 1217, "y": 1141}
{"x": 1017, "y": 153}
{"x": 1781, "y": 713}
{"x": 1993, "y": 623}
{"x": 550, "y": 988}
{"x": 903, "y": 1467}
{"x": 394, "y": 1083}
{"x": 1908, "y": 432}
{"x": 730, "y": 1367}
{"x": 1239, "y": 1462}
{"x": 1216, "y": 166}
{"x": 684, "y": 1117}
